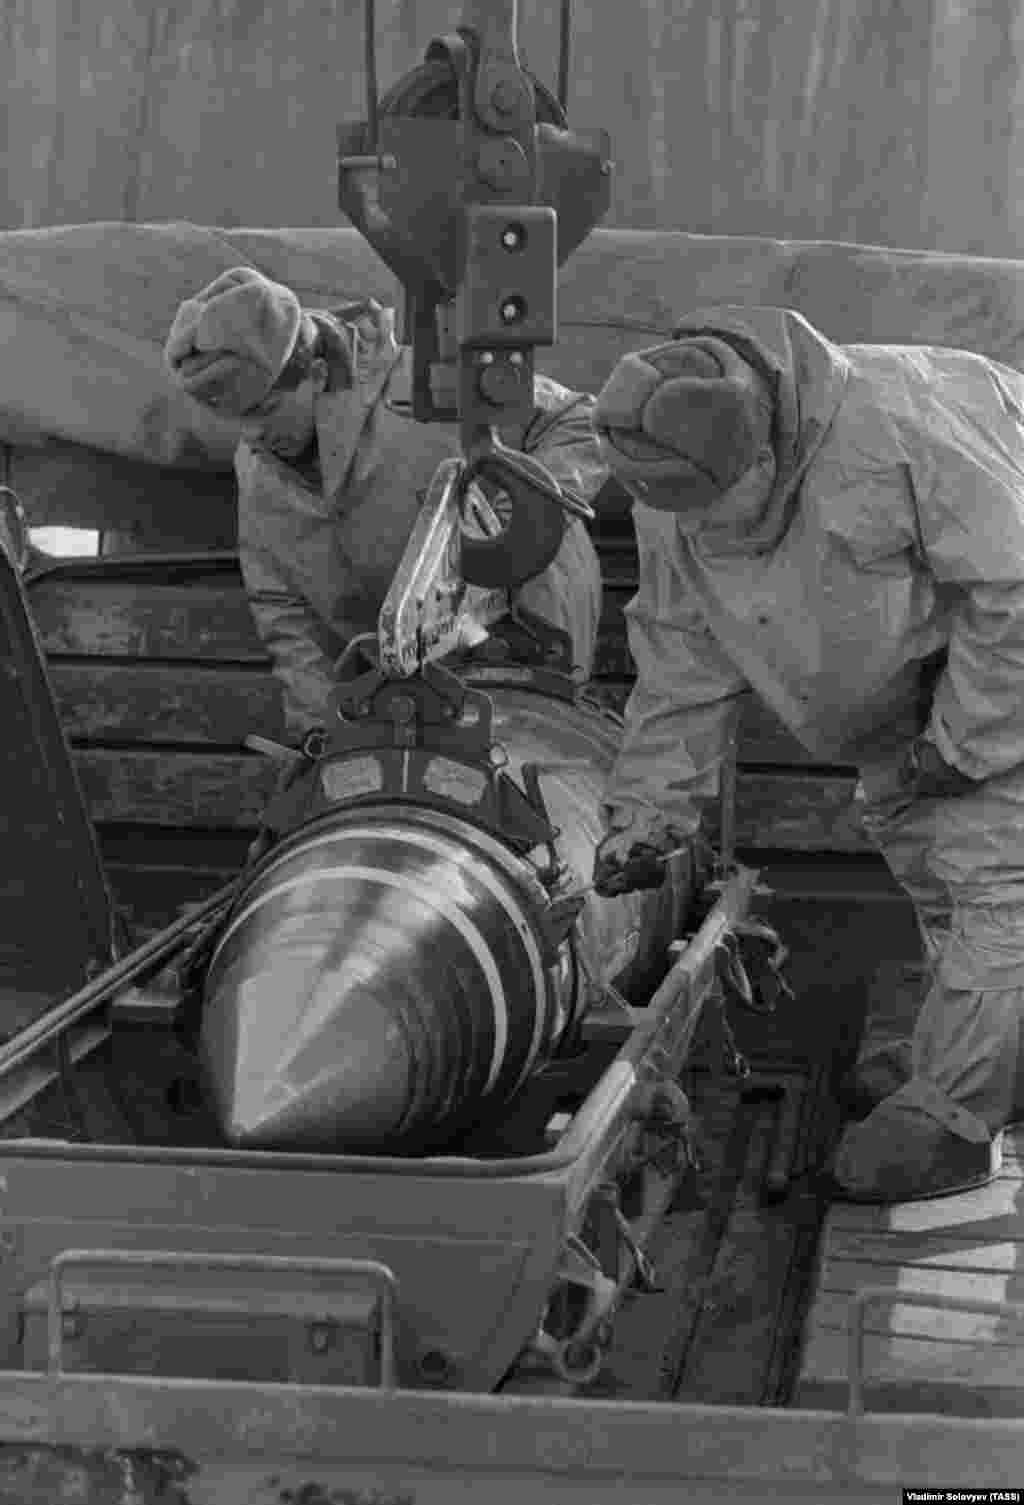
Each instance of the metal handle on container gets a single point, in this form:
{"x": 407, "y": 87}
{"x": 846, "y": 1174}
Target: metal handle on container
{"x": 863, "y": 1298}
{"x": 251, "y": 1264}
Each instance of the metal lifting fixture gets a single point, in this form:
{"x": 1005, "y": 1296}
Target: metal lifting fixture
{"x": 468, "y": 183}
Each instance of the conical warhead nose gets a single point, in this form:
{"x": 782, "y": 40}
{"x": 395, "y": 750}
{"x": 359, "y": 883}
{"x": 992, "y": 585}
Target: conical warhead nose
{"x": 339, "y": 1069}
{"x": 376, "y": 982}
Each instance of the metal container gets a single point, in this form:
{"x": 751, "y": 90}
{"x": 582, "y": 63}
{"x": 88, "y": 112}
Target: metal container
{"x": 389, "y": 978}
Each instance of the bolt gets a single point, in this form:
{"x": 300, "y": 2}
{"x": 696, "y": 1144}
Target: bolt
{"x": 319, "y": 1337}
{"x": 501, "y": 384}
{"x": 502, "y": 164}
{"x": 516, "y": 358}
{"x": 383, "y": 162}
{"x": 485, "y": 358}
{"x": 505, "y": 96}
{"x": 513, "y": 237}
{"x": 512, "y": 310}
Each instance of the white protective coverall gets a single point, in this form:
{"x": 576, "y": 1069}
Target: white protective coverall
{"x": 894, "y": 531}
{"x": 319, "y": 544}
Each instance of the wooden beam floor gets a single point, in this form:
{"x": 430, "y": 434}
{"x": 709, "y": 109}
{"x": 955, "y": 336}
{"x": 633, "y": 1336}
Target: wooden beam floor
{"x": 967, "y": 1248}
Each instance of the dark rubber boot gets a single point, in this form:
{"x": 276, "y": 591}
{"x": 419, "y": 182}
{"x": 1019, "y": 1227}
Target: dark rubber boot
{"x": 917, "y": 1144}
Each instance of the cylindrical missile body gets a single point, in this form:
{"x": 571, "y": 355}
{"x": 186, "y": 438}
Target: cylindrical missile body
{"x": 387, "y": 981}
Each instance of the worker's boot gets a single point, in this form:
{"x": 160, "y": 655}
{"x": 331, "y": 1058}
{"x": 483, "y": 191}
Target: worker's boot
{"x": 918, "y": 1143}
{"x": 874, "y": 1077}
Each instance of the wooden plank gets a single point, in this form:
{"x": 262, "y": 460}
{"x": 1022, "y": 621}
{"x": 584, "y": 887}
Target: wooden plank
{"x": 921, "y": 1252}
{"x": 175, "y": 789}
{"x": 202, "y": 701}
{"x": 960, "y": 1378}
{"x": 969, "y": 1247}
{"x": 156, "y": 702}
{"x": 150, "y": 507}
{"x": 905, "y": 1358}
{"x": 925, "y": 1264}
{"x": 151, "y": 786}
{"x": 206, "y": 621}
{"x": 933, "y": 1324}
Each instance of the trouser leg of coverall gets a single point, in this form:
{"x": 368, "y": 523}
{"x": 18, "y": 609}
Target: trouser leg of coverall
{"x": 962, "y": 861}
{"x": 885, "y": 1054}
{"x": 568, "y": 594}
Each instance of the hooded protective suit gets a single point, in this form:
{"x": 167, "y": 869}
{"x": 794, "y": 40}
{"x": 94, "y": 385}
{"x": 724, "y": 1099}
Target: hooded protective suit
{"x": 877, "y": 594}
{"x": 319, "y": 543}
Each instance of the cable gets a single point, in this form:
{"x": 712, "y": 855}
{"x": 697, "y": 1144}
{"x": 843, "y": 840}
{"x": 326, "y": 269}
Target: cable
{"x": 564, "y": 46}
{"x": 370, "y": 64}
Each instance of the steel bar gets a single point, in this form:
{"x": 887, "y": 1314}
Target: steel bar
{"x": 256, "y": 1264}
{"x": 144, "y": 959}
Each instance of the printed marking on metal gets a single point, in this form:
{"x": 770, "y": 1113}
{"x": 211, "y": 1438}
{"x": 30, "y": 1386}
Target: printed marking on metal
{"x": 454, "y": 781}
{"x": 352, "y": 777}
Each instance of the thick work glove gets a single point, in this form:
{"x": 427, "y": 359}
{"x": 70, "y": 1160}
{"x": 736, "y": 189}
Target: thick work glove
{"x": 929, "y": 777}
{"x": 628, "y": 860}
{"x": 679, "y": 424}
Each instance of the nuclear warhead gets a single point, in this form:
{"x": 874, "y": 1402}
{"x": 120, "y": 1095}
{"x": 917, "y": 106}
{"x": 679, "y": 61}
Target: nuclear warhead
{"x": 397, "y": 969}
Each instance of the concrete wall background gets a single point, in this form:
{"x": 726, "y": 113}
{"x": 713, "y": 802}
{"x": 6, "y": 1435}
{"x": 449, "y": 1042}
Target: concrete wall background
{"x": 897, "y": 122}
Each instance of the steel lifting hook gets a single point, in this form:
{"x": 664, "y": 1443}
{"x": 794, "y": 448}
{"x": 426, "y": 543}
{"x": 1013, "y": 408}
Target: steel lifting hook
{"x": 538, "y": 508}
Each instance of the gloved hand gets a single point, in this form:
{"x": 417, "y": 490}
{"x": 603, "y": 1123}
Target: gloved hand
{"x": 929, "y": 777}
{"x": 628, "y": 860}
{"x": 681, "y": 423}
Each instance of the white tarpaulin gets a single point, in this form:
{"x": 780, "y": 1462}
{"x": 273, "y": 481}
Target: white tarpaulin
{"x": 84, "y": 311}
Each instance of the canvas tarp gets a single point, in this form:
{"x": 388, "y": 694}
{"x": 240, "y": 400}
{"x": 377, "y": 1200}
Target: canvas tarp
{"x": 97, "y": 436}
{"x": 83, "y": 315}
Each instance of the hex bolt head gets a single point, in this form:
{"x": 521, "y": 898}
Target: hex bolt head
{"x": 320, "y": 1336}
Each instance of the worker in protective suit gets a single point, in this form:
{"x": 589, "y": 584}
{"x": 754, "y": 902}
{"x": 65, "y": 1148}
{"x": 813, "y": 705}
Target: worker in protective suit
{"x": 331, "y": 467}
{"x": 841, "y": 531}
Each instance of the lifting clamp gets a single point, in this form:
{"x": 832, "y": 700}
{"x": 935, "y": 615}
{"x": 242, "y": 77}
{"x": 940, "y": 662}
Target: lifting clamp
{"x": 467, "y": 182}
